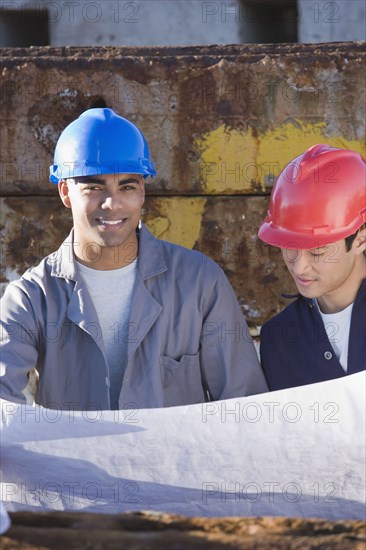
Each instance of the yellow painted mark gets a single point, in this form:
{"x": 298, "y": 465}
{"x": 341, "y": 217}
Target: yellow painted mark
{"x": 226, "y": 155}
{"x": 233, "y": 161}
{"x": 179, "y": 220}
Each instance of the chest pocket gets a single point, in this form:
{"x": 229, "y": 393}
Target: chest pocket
{"x": 182, "y": 382}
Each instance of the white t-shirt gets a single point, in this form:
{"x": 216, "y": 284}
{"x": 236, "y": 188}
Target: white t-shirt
{"x": 337, "y": 327}
{"x": 111, "y": 292}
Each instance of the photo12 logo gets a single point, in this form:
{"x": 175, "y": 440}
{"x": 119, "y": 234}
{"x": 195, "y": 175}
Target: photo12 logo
{"x": 270, "y": 491}
{"x": 73, "y": 11}
{"x": 257, "y": 12}
{"x": 269, "y": 411}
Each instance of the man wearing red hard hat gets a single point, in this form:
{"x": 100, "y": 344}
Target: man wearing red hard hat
{"x": 317, "y": 217}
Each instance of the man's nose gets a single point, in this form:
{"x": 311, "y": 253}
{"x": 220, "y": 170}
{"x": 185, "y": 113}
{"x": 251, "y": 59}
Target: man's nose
{"x": 111, "y": 201}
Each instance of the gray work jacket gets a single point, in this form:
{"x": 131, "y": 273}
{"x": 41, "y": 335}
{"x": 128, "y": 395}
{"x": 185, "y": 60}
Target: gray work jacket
{"x": 185, "y": 325}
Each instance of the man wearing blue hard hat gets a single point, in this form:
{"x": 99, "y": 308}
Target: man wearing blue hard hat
{"x": 117, "y": 318}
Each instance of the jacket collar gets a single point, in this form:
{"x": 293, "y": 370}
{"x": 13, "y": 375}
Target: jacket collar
{"x": 151, "y": 260}
{"x": 63, "y": 261}
{"x": 362, "y": 289}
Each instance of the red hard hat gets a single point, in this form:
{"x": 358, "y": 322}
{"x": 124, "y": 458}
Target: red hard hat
{"x": 318, "y": 199}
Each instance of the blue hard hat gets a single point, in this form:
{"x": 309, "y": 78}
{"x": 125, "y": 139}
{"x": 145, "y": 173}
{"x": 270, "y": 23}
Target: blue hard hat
{"x": 100, "y": 142}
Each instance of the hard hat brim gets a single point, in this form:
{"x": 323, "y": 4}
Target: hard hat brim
{"x": 92, "y": 170}
{"x": 281, "y": 238}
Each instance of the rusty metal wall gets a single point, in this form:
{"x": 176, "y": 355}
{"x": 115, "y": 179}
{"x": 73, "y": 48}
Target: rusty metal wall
{"x": 221, "y": 121}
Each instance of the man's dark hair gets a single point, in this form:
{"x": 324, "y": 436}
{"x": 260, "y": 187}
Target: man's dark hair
{"x": 349, "y": 240}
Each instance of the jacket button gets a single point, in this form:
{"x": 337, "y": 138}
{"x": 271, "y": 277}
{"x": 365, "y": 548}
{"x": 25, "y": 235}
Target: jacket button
{"x": 328, "y": 355}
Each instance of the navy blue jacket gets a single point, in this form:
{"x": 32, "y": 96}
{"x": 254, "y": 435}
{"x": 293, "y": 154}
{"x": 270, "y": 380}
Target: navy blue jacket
{"x": 295, "y": 349}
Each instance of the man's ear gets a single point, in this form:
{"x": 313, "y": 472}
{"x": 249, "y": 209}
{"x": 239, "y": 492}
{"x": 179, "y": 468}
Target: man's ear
{"x": 360, "y": 241}
{"x": 63, "y": 189}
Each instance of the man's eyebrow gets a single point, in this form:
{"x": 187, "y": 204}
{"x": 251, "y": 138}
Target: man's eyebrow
{"x": 89, "y": 179}
{"x": 97, "y": 181}
{"x": 128, "y": 180}
{"x": 319, "y": 248}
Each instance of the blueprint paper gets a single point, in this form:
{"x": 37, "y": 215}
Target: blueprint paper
{"x": 296, "y": 452}
{"x": 4, "y": 519}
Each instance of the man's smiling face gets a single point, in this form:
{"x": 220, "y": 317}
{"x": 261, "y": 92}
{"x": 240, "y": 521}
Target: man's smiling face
{"x": 106, "y": 210}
